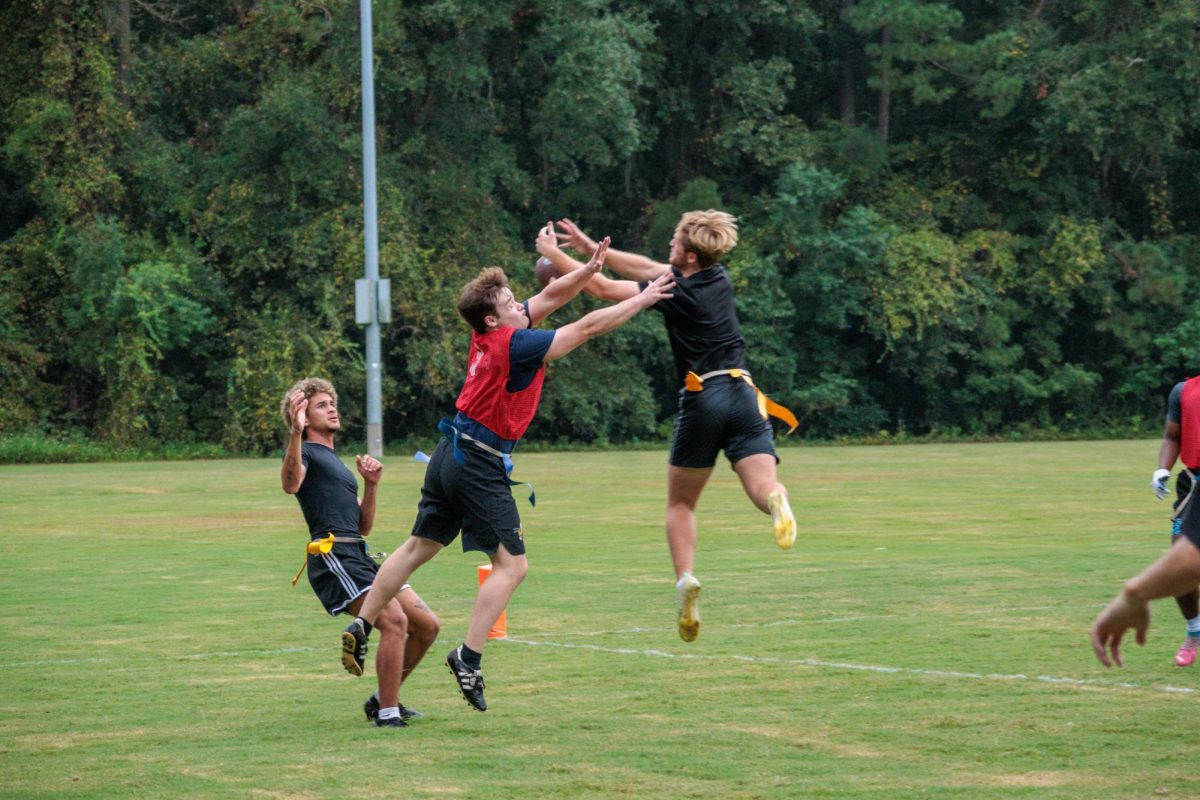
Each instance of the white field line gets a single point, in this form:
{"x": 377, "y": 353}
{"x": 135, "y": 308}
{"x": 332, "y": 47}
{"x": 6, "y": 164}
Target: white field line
{"x": 1080, "y": 683}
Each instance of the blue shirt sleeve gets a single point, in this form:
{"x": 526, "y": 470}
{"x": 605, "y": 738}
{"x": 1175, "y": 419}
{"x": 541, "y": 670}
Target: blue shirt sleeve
{"x": 526, "y": 351}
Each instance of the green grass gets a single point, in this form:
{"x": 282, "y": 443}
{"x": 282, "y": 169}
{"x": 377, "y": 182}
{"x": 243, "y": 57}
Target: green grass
{"x": 926, "y": 637}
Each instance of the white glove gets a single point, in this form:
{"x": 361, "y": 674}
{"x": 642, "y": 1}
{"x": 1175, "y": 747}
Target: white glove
{"x": 1159, "y": 482}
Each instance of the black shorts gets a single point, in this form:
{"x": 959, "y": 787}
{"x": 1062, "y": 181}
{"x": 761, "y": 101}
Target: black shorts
{"x": 725, "y": 416}
{"x": 340, "y": 576}
{"x": 472, "y": 497}
{"x": 1188, "y": 523}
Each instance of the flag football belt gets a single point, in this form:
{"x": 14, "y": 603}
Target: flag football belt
{"x": 454, "y": 434}
{"x": 766, "y": 406}
{"x": 325, "y": 545}
{"x": 1183, "y": 503}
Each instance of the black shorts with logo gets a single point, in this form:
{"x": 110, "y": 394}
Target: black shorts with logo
{"x": 472, "y": 497}
{"x": 724, "y": 415}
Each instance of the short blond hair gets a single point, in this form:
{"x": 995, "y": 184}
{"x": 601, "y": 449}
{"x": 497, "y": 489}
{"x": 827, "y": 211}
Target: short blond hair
{"x": 709, "y": 234}
{"x": 309, "y": 387}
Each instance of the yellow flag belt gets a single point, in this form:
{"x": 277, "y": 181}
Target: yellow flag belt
{"x": 324, "y": 546}
{"x": 766, "y": 406}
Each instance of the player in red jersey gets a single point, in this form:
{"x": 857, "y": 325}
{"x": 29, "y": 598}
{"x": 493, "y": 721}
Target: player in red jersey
{"x": 467, "y": 481}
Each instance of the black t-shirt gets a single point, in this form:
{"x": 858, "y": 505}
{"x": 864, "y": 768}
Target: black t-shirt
{"x": 702, "y": 323}
{"x": 1174, "y": 404}
{"x": 329, "y": 494}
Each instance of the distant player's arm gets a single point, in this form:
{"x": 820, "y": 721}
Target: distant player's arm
{"x": 603, "y": 320}
{"x": 371, "y": 471}
{"x": 1168, "y": 451}
{"x": 627, "y": 265}
{"x": 293, "y": 470}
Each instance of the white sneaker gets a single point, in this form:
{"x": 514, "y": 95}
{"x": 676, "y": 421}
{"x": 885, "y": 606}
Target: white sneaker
{"x": 689, "y": 607}
{"x": 781, "y": 516}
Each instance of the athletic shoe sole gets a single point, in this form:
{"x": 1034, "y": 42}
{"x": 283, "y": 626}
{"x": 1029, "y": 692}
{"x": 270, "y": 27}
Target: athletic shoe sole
{"x": 349, "y": 658}
{"x": 783, "y": 520}
{"x": 689, "y": 610}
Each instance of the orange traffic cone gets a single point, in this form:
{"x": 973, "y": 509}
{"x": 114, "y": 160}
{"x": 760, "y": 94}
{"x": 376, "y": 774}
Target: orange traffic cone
{"x": 500, "y": 629}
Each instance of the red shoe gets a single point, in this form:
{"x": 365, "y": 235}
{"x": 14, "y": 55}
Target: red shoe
{"x": 1186, "y": 655}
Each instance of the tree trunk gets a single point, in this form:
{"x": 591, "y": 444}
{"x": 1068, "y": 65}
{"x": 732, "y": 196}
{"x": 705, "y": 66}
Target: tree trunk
{"x": 885, "y": 89}
{"x": 846, "y": 93}
{"x": 117, "y": 19}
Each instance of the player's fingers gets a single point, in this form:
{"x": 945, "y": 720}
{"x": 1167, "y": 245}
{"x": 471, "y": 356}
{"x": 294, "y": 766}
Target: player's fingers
{"x": 1141, "y": 636}
{"x": 1114, "y": 647}
{"x": 1098, "y": 649}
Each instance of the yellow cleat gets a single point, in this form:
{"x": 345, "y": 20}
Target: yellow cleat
{"x": 781, "y": 516}
{"x": 689, "y": 607}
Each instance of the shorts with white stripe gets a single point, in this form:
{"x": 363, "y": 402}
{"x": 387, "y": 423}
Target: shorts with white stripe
{"x": 342, "y": 575}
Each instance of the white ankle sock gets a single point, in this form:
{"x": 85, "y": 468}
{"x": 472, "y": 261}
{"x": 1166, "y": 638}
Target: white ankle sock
{"x": 389, "y": 713}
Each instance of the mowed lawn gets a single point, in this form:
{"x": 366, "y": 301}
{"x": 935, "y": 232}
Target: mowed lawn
{"x": 926, "y": 637}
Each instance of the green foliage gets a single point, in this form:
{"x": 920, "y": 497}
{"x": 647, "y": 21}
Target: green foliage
{"x": 955, "y": 217}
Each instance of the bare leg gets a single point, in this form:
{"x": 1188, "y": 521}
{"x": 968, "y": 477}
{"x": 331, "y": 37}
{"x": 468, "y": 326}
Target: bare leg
{"x": 759, "y": 480}
{"x": 507, "y": 573}
{"x": 757, "y": 473}
{"x": 395, "y": 572}
{"x": 423, "y": 627}
{"x": 684, "y": 485}
{"x": 392, "y": 625}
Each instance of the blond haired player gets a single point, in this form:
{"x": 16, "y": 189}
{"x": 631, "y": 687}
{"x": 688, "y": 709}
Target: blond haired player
{"x": 719, "y": 406}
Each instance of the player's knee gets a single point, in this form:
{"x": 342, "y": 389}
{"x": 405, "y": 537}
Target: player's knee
{"x": 392, "y": 620}
{"x": 426, "y": 627}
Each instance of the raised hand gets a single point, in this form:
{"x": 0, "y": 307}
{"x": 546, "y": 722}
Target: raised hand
{"x": 658, "y": 289}
{"x": 299, "y": 406}
{"x": 573, "y": 237}
{"x": 370, "y": 468}
{"x": 596, "y": 262}
{"x": 547, "y": 240}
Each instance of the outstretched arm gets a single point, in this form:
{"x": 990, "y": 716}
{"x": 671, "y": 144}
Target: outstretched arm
{"x": 1176, "y": 573}
{"x": 627, "y": 265}
{"x": 561, "y": 291}
{"x": 603, "y": 320}
{"x": 293, "y": 471}
{"x": 599, "y": 286}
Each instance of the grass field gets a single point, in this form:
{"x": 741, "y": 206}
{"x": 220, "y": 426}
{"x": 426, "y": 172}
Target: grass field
{"x": 926, "y": 637}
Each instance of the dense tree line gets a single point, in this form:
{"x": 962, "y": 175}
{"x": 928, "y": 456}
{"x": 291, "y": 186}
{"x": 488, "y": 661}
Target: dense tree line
{"x": 966, "y": 217}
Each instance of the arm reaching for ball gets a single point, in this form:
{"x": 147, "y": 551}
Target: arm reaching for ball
{"x": 557, "y": 293}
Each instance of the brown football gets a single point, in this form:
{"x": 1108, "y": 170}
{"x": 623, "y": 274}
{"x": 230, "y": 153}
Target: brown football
{"x": 546, "y": 271}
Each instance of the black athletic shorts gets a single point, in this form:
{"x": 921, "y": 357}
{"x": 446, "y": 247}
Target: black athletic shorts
{"x": 724, "y": 415}
{"x": 472, "y": 497}
{"x": 341, "y": 575}
{"x": 1187, "y": 523}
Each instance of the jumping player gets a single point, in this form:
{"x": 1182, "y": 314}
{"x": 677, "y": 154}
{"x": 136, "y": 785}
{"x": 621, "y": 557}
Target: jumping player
{"x": 719, "y": 406}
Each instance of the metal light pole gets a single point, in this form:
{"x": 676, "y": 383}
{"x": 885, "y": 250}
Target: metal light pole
{"x": 372, "y": 296}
